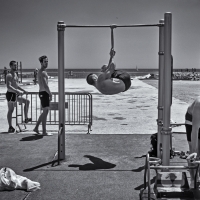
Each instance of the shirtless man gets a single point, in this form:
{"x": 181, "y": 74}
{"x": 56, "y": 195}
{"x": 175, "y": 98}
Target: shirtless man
{"x": 44, "y": 94}
{"x": 192, "y": 125}
{"x": 110, "y": 81}
{"x": 15, "y": 92}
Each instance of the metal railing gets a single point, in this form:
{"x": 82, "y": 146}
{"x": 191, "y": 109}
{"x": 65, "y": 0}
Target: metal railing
{"x": 78, "y": 109}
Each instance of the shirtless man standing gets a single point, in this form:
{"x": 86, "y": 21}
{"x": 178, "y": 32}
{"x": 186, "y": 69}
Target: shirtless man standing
{"x": 192, "y": 125}
{"x": 44, "y": 94}
{"x": 13, "y": 92}
{"x": 110, "y": 81}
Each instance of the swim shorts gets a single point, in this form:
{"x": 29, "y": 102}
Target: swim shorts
{"x": 125, "y": 77}
{"x": 188, "y": 127}
{"x": 11, "y": 96}
{"x": 188, "y": 117}
{"x": 44, "y": 98}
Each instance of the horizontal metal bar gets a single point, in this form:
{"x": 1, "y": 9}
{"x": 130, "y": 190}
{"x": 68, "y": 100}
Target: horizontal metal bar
{"x": 173, "y": 167}
{"x": 68, "y": 93}
{"x": 109, "y": 26}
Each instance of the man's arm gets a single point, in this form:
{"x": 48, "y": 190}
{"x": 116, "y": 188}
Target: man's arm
{"x": 195, "y": 127}
{"x": 9, "y": 85}
{"x": 107, "y": 73}
{"x": 22, "y": 89}
{"x": 110, "y": 70}
{"x": 45, "y": 83}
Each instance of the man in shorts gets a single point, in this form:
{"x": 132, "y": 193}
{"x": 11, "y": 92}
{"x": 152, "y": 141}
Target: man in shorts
{"x": 192, "y": 125}
{"x": 44, "y": 94}
{"x": 110, "y": 81}
{"x": 15, "y": 92}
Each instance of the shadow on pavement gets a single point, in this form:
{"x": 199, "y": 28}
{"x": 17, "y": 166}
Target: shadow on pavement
{"x": 97, "y": 163}
{"x": 38, "y": 166}
{"x": 142, "y": 185}
{"x": 32, "y": 138}
{"x": 4, "y": 133}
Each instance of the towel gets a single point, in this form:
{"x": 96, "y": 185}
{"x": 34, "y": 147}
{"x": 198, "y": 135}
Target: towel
{"x": 9, "y": 180}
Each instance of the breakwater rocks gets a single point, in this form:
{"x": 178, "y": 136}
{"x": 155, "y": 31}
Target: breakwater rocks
{"x": 191, "y": 76}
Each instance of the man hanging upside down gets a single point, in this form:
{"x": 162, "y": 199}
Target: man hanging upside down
{"x": 110, "y": 81}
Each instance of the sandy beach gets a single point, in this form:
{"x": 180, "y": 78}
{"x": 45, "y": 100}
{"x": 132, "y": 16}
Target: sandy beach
{"x": 131, "y": 112}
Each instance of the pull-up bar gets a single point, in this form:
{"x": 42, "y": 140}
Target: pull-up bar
{"x": 165, "y": 71}
{"x": 109, "y": 26}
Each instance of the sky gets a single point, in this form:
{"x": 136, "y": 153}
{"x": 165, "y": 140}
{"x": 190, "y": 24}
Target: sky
{"x": 29, "y": 29}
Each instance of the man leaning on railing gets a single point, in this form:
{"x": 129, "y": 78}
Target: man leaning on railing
{"x": 15, "y": 92}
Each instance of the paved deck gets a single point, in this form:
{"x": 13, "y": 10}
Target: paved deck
{"x": 97, "y": 166}
{"x": 105, "y": 165}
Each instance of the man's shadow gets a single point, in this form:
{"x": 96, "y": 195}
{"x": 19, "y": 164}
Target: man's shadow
{"x": 96, "y": 164}
{"x": 32, "y": 137}
{"x": 4, "y": 132}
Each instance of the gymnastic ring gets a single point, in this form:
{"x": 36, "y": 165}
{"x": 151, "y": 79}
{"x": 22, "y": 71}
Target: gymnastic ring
{"x": 154, "y": 161}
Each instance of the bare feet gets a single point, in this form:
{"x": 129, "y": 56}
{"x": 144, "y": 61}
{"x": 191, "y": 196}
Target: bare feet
{"x": 36, "y": 130}
{"x": 44, "y": 134}
{"x": 47, "y": 134}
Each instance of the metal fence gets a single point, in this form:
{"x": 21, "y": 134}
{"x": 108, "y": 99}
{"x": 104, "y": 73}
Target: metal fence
{"x": 78, "y": 109}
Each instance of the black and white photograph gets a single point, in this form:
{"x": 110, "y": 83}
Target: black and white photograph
{"x": 99, "y": 99}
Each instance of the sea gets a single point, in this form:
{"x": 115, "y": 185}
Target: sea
{"x": 184, "y": 90}
{"x": 82, "y": 73}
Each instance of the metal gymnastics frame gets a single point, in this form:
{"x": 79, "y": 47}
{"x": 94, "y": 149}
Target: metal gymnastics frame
{"x": 164, "y": 90}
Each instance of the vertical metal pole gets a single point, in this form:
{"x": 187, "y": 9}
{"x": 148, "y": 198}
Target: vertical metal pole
{"x": 160, "y": 85}
{"x": 166, "y": 131}
{"x": 17, "y": 72}
{"x": 61, "y": 89}
{"x": 21, "y": 70}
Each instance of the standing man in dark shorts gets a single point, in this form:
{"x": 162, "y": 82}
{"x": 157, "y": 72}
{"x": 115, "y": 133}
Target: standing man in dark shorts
{"x": 192, "y": 125}
{"x": 110, "y": 81}
{"x": 44, "y": 94}
{"x": 13, "y": 92}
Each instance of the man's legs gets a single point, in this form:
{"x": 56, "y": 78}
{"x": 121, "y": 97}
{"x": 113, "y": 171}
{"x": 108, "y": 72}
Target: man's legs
{"x": 42, "y": 119}
{"x": 193, "y": 171}
{"x": 26, "y": 103}
{"x": 38, "y": 123}
{"x": 198, "y": 155}
{"x": 10, "y": 112}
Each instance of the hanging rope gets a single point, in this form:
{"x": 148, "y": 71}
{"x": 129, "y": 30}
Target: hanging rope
{"x": 112, "y": 52}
